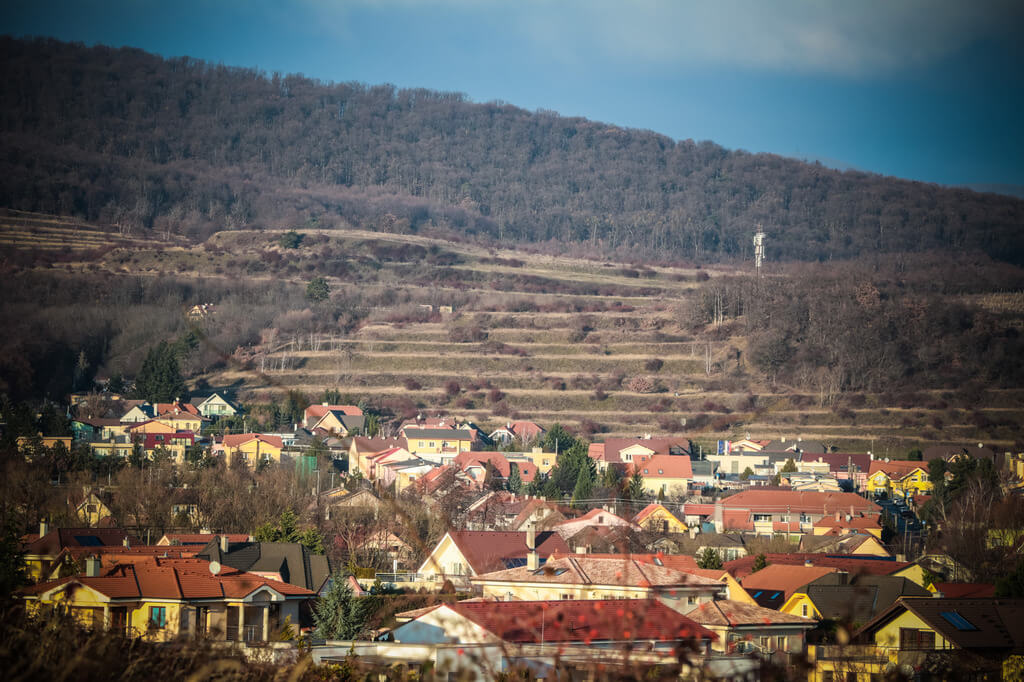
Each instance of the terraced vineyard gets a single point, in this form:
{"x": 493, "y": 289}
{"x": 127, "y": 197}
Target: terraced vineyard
{"x": 485, "y": 334}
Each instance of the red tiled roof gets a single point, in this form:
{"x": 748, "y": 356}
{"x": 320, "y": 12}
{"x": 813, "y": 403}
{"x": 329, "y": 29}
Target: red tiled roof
{"x": 743, "y": 566}
{"x": 664, "y": 466}
{"x": 679, "y": 562}
{"x": 581, "y": 620}
{"x": 783, "y": 577}
{"x": 465, "y": 460}
{"x": 965, "y": 590}
{"x": 318, "y": 411}
{"x": 172, "y": 409}
{"x": 839, "y": 461}
{"x": 796, "y": 501}
{"x": 200, "y": 538}
{"x": 610, "y": 449}
{"x": 896, "y": 468}
{"x": 56, "y": 540}
{"x": 486, "y": 551}
{"x": 738, "y": 614}
{"x": 157, "y": 578}
{"x": 856, "y": 523}
{"x": 234, "y": 440}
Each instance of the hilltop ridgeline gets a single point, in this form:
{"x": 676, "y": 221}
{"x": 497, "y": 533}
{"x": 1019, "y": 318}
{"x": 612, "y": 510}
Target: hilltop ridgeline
{"x": 124, "y": 137}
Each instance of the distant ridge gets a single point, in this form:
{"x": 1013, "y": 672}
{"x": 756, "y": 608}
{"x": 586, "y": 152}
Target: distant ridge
{"x": 127, "y": 138}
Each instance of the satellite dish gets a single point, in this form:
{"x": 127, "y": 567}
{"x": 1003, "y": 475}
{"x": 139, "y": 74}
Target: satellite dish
{"x": 215, "y": 567}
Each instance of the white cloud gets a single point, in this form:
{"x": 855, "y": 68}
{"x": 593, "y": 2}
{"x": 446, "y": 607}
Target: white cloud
{"x": 851, "y": 37}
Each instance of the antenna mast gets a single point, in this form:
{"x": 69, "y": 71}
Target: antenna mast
{"x": 758, "y": 250}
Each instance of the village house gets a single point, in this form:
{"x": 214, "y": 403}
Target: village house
{"x": 42, "y": 550}
{"x": 215, "y": 406}
{"x": 840, "y": 597}
{"x": 579, "y": 576}
{"x": 251, "y": 448}
{"x": 622, "y": 452}
{"x": 164, "y": 599}
{"x": 288, "y": 562}
{"x": 476, "y": 464}
{"x": 748, "y": 628}
{"x": 438, "y": 445}
{"x": 962, "y": 638}
{"x": 522, "y": 431}
{"x": 597, "y": 624}
{"x": 461, "y": 555}
{"x": 314, "y": 413}
{"x": 362, "y": 448}
{"x": 656, "y": 518}
{"x": 898, "y": 478}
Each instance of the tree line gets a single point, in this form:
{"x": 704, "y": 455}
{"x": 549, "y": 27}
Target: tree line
{"x": 139, "y": 142}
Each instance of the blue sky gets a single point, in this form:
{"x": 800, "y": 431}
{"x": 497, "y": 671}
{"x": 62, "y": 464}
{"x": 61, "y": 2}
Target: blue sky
{"x": 925, "y": 89}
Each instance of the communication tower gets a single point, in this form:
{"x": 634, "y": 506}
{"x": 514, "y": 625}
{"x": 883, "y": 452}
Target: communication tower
{"x": 758, "y": 250}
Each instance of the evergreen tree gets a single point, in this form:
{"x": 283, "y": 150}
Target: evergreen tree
{"x": 287, "y": 530}
{"x": 318, "y": 290}
{"x": 1012, "y": 586}
{"x": 160, "y": 380}
{"x": 789, "y": 466}
{"x": 550, "y": 490}
{"x": 339, "y": 613}
{"x": 636, "y": 486}
{"x": 584, "y": 486}
{"x": 760, "y": 561}
{"x": 709, "y": 558}
{"x": 515, "y": 480}
{"x": 557, "y": 439}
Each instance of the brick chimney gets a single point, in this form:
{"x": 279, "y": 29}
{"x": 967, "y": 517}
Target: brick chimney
{"x": 92, "y": 566}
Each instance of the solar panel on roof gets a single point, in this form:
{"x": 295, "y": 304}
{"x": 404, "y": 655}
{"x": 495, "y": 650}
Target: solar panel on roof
{"x": 514, "y": 563}
{"x": 88, "y": 541}
{"x": 776, "y": 595}
{"x": 958, "y": 621}
{"x": 757, "y": 594}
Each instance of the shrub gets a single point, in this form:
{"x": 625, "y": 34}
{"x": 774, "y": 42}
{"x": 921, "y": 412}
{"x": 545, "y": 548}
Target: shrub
{"x": 495, "y": 395}
{"x": 640, "y": 385}
{"x": 599, "y": 394}
{"x": 411, "y": 384}
{"x": 452, "y": 388}
{"x": 654, "y": 365}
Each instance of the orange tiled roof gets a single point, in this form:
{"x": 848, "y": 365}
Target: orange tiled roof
{"x": 234, "y": 440}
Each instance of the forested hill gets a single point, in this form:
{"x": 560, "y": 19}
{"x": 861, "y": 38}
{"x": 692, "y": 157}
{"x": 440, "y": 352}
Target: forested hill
{"x": 128, "y": 138}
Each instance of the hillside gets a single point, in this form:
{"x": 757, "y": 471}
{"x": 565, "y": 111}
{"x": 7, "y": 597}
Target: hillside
{"x": 178, "y": 146}
{"x": 873, "y": 356}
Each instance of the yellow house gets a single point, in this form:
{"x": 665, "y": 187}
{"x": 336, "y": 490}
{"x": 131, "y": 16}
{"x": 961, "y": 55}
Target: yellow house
{"x": 252, "y": 447}
{"x": 898, "y": 478}
{"x": 465, "y": 553}
{"x": 665, "y": 474}
{"x": 969, "y": 639}
{"x": 93, "y": 508}
{"x": 439, "y": 442}
{"x": 163, "y": 599}
{"x": 41, "y": 551}
{"x": 657, "y": 518}
{"x": 151, "y": 426}
{"x": 842, "y": 598}
{"x": 182, "y": 421}
{"x": 544, "y": 461}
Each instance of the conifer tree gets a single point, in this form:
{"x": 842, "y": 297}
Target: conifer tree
{"x": 160, "y": 380}
{"x": 338, "y": 614}
{"x": 515, "y": 480}
{"x": 584, "y": 485}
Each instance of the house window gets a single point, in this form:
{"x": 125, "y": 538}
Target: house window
{"x": 912, "y": 638}
{"x": 781, "y": 643}
{"x": 691, "y": 600}
{"x": 804, "y": 518}
{"x": 158, "y": 616}
{"x": 762, "y": 517}
{"x": 565, "y": 596}
{"x": 90, "y": 508}
{"x": 803, "y": 610}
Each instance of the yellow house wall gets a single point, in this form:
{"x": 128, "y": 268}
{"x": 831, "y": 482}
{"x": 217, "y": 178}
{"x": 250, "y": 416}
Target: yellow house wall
{"x": 443, "y": 560}
{"x": 888, "y": 637}
{"x": 794, "y": 606}
{"x": 672, "y": 486}
{"x": 539, "y": 459}
{"x": 256, "y": 450}
{"x": 556, "y": 591}
{"x": 654, "y": 521}
{"x": 914, "y": 573}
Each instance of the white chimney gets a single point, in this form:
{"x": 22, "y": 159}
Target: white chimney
{"x": 325, "y": 404}
{"x": 224, "y": 544}
{"x": 92, "y": 567}
{"x": 126, "y": 542}
{"x": 44, "y": 528}
{"x": 531, "y": 537}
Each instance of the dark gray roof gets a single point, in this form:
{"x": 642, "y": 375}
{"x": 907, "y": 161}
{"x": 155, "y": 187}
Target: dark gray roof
{"x": 439, "y": 434}
{"x": 296, "y": 564}
{"x": 860, "y": 600}
{"x": 991, "y": 624}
